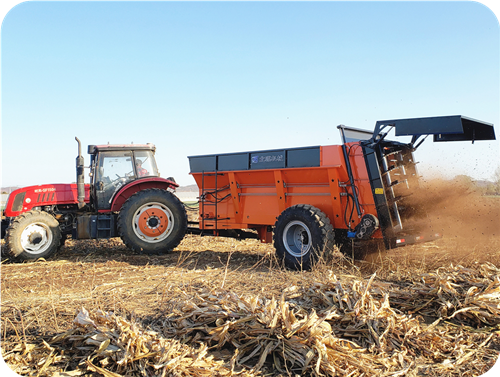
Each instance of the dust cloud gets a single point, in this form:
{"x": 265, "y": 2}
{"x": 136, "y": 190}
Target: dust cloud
{"x": 455, "y": 208}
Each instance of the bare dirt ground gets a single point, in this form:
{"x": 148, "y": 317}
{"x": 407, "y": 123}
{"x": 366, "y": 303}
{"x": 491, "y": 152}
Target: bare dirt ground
{"x": 220, "y": 306}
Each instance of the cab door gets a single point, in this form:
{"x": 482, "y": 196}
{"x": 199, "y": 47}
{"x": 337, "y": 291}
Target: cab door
{"x": 114, "y": 170}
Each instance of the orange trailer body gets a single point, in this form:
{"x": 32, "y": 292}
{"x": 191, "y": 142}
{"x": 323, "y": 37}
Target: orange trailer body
{"x": 254, "y": 199}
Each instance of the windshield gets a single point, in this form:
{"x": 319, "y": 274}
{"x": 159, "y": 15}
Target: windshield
{"x": 114, "y": 165}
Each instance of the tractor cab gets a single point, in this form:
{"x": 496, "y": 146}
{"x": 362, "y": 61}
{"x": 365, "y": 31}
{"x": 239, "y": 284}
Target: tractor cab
{"x": 114, "y": 166}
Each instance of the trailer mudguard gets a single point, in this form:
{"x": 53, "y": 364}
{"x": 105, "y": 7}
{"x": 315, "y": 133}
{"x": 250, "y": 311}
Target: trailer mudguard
{"x": 444, "y": 128}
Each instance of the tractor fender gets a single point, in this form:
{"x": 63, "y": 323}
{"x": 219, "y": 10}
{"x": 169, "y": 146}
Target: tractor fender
{"x": 138, "y": 185}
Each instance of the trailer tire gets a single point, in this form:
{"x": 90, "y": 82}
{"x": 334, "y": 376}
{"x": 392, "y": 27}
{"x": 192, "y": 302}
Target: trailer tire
{"x": 33, "y": 235}
{"x": 152, "y": 221}
{"x": 302, "y": 234}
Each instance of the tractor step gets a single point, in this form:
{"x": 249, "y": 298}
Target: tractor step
{"x": 95, "y": 227}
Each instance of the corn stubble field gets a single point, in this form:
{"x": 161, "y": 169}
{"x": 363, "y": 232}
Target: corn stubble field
{"x": 225, "y": 307}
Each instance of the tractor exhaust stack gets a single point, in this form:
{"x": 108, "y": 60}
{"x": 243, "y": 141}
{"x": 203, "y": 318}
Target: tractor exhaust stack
{"x": 80, "y": 179}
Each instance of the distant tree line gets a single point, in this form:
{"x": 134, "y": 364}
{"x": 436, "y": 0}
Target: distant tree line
{"x": 483, "y": 187}
{"x": 494, "y": 187}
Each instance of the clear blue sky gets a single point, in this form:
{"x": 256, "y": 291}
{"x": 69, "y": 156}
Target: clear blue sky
{"x": 199, "y": 78}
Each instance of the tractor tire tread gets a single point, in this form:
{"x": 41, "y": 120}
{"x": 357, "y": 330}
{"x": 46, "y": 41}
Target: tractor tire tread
{"x": 14, "y": 251}
{"x": 125, "y": 231}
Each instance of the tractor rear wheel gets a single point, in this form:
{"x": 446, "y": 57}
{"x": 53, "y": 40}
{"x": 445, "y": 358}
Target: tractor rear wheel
{"x": 152, "y": 221}
{"x": 302, "y": 234}
{"x": 33, "y": 235}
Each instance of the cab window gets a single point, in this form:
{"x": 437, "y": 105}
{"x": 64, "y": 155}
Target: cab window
{"x": 115, "y": 165}
{"x": 145, "y": 165}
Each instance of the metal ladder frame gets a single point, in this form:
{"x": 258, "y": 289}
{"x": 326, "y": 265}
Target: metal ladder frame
{"x": 203, "y": 200}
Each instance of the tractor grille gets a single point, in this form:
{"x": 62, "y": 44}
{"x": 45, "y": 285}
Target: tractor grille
{"x": 18, "y": 202}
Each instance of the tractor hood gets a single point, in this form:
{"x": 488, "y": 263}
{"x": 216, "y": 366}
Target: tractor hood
{"x": 444, "y": 128}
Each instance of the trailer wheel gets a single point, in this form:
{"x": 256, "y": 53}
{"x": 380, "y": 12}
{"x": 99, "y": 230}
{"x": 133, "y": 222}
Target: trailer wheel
{"x": 152, "y": 221}
{"x": 33, "y": 235}
{"x": 302, "y": 234}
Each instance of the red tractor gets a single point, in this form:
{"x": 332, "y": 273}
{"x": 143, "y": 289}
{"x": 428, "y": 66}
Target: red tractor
{"x": 125, "y": 198}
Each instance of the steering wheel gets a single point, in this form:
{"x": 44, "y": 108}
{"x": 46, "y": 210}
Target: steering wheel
{"x": 119, "y": 181}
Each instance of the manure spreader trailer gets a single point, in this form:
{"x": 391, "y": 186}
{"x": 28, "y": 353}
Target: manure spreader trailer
{"x": 306, "y": 200}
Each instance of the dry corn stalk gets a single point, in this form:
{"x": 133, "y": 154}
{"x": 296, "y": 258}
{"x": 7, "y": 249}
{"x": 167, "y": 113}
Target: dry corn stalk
{"x": 343, "y": 326}
{"x": 352, "y": 327}
{"x": 112, "y": 346}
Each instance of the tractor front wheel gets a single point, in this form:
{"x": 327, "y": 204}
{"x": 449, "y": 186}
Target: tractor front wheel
{"x": 302, "y": 234}
{"x": 152, "y": 221}
{"x": 33, "y": 235}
